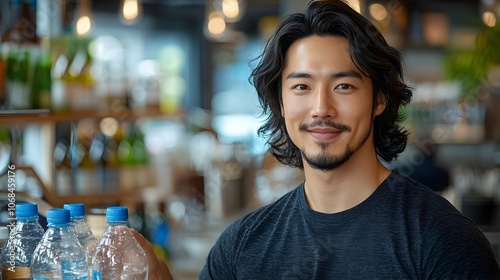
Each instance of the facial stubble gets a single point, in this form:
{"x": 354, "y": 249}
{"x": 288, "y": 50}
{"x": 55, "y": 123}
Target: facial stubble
{"x": 327, "y": 162}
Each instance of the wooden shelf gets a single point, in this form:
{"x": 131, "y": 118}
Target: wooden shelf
{"x": 98, "y": 199}
{"x": 90, "y": 200}
{"x": 10, "y": 117}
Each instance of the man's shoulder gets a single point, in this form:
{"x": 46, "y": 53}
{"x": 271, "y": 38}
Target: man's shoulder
{"x": 398, "y": 178}
{"x": 406, "y": 185}
{"x": 418, "y": 202}
{"x": 270, "y": 213}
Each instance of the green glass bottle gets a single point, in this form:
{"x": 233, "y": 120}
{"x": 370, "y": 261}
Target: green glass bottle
{"x": 3, "y": 74}
{"x": 62, "y": 78}
{"x": 20, "y": 97}
{"x": 42, "y": 82}
{"x": 10, "y": 76}
{"x": 140, "y": 153}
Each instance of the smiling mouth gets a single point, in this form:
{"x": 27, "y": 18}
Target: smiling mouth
{"x": 324, "y": 130}
{"x": 324, "y": 126}
{"x": 325, "y": 135}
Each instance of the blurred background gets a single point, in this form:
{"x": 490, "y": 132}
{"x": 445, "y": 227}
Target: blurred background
{"x": 147, "y": 104}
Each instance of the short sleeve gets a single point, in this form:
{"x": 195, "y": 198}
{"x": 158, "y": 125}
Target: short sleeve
{"x": 223, "y": 257}
{"x": 456, "y": 248}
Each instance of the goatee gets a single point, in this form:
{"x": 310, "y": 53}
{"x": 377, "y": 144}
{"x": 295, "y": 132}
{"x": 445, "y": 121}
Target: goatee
{"x": 326, "y": 162}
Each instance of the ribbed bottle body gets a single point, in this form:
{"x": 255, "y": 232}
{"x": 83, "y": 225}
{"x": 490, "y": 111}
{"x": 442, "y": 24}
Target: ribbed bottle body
{"x": 18, "y": 251}
{"x": 59, "y": 255}
{"x": 118, "y": 255}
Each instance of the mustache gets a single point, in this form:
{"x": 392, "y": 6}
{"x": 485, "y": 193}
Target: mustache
{"x": 325, "y": 123}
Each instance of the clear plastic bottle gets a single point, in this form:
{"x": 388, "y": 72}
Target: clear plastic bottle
{"x": 59, "y": 255}
{"x": 4, "y": 235}
{"x": 118, "y": 254}
{"x": 82, "y": 230}
{"x": 17, "y": 253}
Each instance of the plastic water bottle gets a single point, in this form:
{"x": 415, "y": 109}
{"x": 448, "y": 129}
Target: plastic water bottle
{"x": 59, "y": 255}
{"x": 118, "y": 254}
{"x": 17, "y": 252}
{"x": 4, "y": 235}
{"x": 82, "y": 230}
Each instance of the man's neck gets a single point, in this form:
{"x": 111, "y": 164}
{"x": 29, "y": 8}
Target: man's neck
{"x": 345, "y": 187}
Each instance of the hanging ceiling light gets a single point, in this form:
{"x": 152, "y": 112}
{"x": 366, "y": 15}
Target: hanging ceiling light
{"x": 216, "y": 24}
{"x": 489, "y": 19}
{"x": 232, "y": 9}
{"x": 84, "y": 21}
{"x": 130, "y": 10}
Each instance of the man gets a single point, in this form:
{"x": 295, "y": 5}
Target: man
{"x": 332, "y": 88}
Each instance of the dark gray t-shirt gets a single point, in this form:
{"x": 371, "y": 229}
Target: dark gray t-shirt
{"x": 402, "y": 231}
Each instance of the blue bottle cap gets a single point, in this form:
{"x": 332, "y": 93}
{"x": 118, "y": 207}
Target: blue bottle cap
{"x": 24, "y": 210}
{"x": 58, "y": 216}
{"x": 75, "y": 209}
{"x": 117, "y": 213}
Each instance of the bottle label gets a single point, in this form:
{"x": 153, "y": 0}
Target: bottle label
{"x": 17, "y": 273}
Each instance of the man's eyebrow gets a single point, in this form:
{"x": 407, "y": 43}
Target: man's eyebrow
{"x": 341, "y": 74}
{"x": 348, "y": 73}
{"x": 295, "y": 75}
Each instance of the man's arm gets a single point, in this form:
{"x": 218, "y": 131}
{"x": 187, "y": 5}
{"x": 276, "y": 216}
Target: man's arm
{"x": 158, "y": 269}
{"x": 456, "y": 248}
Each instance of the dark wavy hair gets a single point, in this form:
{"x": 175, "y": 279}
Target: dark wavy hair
{"x": 369, "y": 51}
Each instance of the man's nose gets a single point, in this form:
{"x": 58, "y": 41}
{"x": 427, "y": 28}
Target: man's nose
{"x": 323, "y": 104}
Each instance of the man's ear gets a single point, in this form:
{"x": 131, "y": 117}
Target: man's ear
{"x": 380, "y": 105}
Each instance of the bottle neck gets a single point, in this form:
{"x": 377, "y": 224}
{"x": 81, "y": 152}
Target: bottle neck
{"x": 117, "y": 223}
{"x": 78, "y": 219}
{"x": 58, "y": 225}
{"x": 80, "y": 226}
{"x": 27, "y": 219}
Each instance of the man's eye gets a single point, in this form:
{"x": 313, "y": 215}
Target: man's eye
{"x": 344, "y": 86}
{"x": 300, "y": 87}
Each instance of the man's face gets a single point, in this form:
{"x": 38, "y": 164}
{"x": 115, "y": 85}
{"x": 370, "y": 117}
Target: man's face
{"x": 327, "y": 102}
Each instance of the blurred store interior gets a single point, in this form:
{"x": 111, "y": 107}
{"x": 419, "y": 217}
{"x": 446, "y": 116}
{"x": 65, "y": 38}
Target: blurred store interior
{"x": 147, "y": 104}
